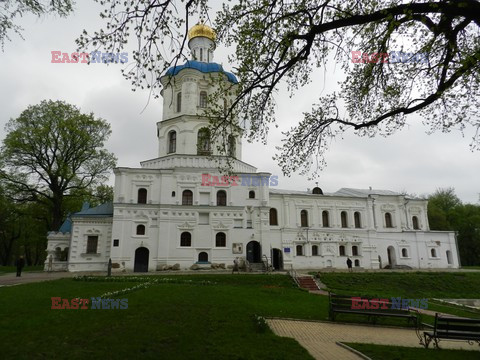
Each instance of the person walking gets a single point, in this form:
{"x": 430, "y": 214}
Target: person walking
{"x": 235, "y": 265}
{"x": 20, "y": 263}
{"x": 349, "y": 264}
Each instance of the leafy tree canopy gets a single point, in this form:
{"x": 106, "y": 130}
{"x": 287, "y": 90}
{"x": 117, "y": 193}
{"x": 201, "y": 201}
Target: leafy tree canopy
{"x": 51, "y": 151}
{"x": 281, "y": 42}
{"x": 10, "y": 10}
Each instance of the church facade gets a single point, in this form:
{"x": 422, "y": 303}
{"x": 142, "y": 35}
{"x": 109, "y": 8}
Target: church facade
{"x": 177, "y": 208}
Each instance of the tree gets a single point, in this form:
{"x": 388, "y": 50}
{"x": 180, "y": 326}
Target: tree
{"x": 52, "y": 150}
{"x": 446, "y": 212}
{"x": 10, "y": 10}
{"x": 279, "y": 42}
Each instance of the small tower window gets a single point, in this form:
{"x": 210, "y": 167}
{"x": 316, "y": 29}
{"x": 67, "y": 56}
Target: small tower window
{"x": 415, "y": 223}
{"x": 201, "y": 54}
{"x": 251, "y": 194}
{"x": 203, "y": 142}
{"x": 179, "y": 101}
{"x": 231, "y": 145}
{"x": 203, "y": 99}
{"x": 172, "y": 141}
{"x": 357, "y": 218}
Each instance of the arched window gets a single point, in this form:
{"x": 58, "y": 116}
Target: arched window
{"x": 434, "y": 253}
{"x": 203, "y": 99}
{"x": 187, "y": 197}
{"x": 140, "y": 229}
{"x": 314, "y": 250}
{"x": 221, "y": 198}
{"x": 203, "y": 257}
{"x": 404, "y": 252}
{"x": 251, "y": 194}
{"x": 304, "y": 218}
{"x": 221, "y": 240}
{"x": 201, "y": 54}
{"x": 231, "y": 145}
{"x": 415, "y": 223}
{"x": 317, "y": 191}
{"x": 172, "y": 141}
{"x": 342, "y": 250}
{"x": 449, "y": 257}
{"x": 142, "y": 196}
{"x": 186, "y": 239}
{"x": 273, "y": 216}
{"x": 358, "y": 220}
{"x": 354, "y": 250}
{"x": 203, "y": 142}
{"x": 299, "y": 249}
{"x": 325, "y": 221}
{"x": 388, "y": 220}
{"x": 357, "y": 263}
{"x": 343, "y": 217}
{"x": 179, "y": 101}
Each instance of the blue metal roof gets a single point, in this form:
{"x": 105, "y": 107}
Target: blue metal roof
{"x": 66, "y": 226}
{"x": 202, "y": 67}
{"x": 100, "y": 210}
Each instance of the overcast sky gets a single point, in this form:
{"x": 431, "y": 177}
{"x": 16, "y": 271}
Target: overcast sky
{"x": 409, "y": 161}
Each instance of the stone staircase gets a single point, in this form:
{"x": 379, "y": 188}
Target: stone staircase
{"x": 257, "y": 267}
{"x": 307, "y": 282}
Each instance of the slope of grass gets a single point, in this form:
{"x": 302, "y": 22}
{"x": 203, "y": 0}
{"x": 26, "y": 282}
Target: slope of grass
{"x": 416, "y": 285}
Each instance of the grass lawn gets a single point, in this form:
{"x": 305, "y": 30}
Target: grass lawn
{"x": 381, "y": 352}
{"x": 460, "y": 285}
{"x": 13, "y": 269}
{"x": 184, "y": 320}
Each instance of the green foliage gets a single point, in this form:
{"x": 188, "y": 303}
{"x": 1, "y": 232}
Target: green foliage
{"x": 280, "y": 43}
{"x": 50, "y": 152}
{"x": 446, "y": 212}
{"x": 10, "y": 10}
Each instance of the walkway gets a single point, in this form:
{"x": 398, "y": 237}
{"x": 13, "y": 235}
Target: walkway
{"x": 320, "y": 338}
{"x": 30, "y": 276}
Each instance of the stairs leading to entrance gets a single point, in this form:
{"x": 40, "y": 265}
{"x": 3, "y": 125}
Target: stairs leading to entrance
{"x": 307, "y": 282}
{"x": 257, "y": 267}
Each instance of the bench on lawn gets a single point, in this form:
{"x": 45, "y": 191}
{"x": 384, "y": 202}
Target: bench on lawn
{"x": 371, "y": 307}
{"x": 453, "y": 328}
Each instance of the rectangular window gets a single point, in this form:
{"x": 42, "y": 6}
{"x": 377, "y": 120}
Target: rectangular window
{"x": 116, "y": 242}
{"x": 92, "y": 243}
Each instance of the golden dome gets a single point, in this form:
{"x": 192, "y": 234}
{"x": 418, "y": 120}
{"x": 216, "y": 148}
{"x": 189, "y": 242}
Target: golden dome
{"x": 201, "y": 30}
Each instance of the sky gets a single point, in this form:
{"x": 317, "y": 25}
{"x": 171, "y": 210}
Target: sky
{"x": 410, "y": 160}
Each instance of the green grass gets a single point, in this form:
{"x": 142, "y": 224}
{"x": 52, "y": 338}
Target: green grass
{"x": 13, "y": 269}
{"x": 460, "y": 285}
{"x": 166, "y": 320}
{"x": 381, "y": 352}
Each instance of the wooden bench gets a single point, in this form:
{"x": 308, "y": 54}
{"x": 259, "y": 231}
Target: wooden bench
{"x": 453, "y": 328}
{"x": 377, "y": 307}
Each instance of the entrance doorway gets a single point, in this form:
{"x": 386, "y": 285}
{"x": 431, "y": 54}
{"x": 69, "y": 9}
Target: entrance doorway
{"x": 254, "y": 253}
{"x": 277, "y": 259}
{"x": 392, "y": 259}
{"x": 141, "y": 260}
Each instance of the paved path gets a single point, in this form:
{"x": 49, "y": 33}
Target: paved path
{"x": 29, "y": 277}
{"x": 320, "y": 338}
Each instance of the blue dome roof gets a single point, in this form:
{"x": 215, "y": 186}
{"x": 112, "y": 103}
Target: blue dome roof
{"x": 202, "y": 67}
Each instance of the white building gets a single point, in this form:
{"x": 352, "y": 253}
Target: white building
{"x": 164, "y": 213}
